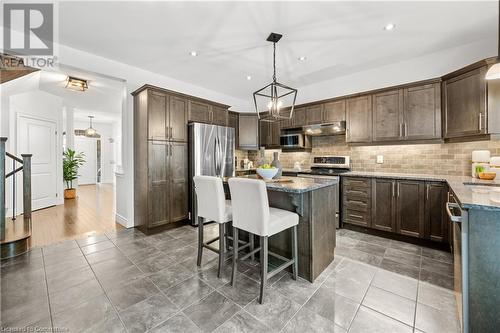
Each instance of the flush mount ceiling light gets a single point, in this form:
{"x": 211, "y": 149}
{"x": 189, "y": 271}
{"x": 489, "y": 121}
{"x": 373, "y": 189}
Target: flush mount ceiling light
{"x": 494, "y": 72}
{"x": 90, "y": 132}
{"x": 249, "y": 77}
{"x": 193, "y": 54}
{"x": 77, "y": 84}
{"x": 389, "y": 26}
{"x": 269, "y": 100}
{"x": 302, "y": 58}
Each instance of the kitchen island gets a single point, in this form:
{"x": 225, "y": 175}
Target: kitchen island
{"x": 314, "y": 201}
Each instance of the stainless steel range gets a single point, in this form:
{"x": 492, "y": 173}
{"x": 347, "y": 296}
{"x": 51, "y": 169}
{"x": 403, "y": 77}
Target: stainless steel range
{"x": 330, "y": 167}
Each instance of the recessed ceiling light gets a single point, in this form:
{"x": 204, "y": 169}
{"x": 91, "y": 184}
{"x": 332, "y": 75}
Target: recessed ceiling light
{"x": 389, "y": 26}
{"x": 302, "y": 58}
{"x": 193, "y": 53}
{"x": 249, "y": 77}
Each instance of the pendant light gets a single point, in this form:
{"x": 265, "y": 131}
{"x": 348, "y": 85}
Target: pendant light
{"x": 90, "y": 132}
{"x": 494, "y": 71}
{"x": 269, "y": 100}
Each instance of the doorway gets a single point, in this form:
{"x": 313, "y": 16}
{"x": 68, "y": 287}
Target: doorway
{"x": 87, "y": 173}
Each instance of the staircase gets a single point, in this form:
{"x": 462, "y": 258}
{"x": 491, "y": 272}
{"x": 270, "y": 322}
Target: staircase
{"x": 15, "y": 231}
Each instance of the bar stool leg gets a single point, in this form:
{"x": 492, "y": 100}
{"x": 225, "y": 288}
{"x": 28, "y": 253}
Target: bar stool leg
{"x": 200, "y": 240}
{"x": 235, "y": 256}
{"x": 263, "y": 266}
{"x": 295, "y": 255}
{"x": 252, "y": 246}
{"x": 222, "y": 247}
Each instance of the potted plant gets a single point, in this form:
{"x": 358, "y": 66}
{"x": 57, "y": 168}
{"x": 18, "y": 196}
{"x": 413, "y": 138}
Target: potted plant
{"x": 71, "y": 162}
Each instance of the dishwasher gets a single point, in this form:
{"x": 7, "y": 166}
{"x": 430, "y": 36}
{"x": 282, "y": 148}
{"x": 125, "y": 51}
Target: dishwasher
{"x": 460, "y": 230}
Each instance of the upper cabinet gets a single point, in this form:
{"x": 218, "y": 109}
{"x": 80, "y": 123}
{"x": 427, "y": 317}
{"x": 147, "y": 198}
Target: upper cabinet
{"x": 359, "y": 119}
{"x": 269, "y": 134}
{"x": 334, "y": 111}
{"x": 299, "y": 117}
{"x": 465, "y": 100}
{"x": 248, "y": 130}
{"x": 233, "y": 122}
{"x": 422, "y": 112}
{"x": 388, "y": 115}
{"x": 166, "y": 116}
{"x": 178, "y": 119}
{"x": 314, "y": 114}
{"x": 201, "y": 112}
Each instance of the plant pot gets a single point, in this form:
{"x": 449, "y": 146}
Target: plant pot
{"x": 70, "y": 193}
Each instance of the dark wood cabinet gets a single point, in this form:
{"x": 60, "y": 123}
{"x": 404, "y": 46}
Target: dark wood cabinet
{"x": 200, "y": 112}
{"x": 334, "y": 111}
{"x": 178, "y": 177}
{"x": 384, "y": 204}
{"x": 299, "y": 117}
{"x": 410, "y": 208}
{"x": 157, "y": 117}
{"x": 314, "y": 114}
{"x": 219, "y": 116}
{"x": 160, "y": 156}
{"x": 233, "y": 122}
{"x": 436, "y": 219}
{"x": 269, "y": 134}
{"x": 465, "y": 100}
{"x": 248, "y": 131}
{"x": 178, "y": 119}
{"x": 286, "y": 123}
{"x": 422, "y": 112}
{"x": 359, "y": 119}
{"x": 388, "y": 115}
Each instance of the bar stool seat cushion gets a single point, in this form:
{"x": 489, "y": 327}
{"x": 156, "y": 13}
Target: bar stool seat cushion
{"x": 280, "y": 220}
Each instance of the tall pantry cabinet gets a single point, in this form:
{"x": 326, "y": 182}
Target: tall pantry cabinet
{"x": 160, "y": 157}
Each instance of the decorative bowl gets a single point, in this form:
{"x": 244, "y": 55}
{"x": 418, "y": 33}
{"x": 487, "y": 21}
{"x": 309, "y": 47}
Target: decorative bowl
{"x": 267, "y": 174}
{"x": 487, "y": 175}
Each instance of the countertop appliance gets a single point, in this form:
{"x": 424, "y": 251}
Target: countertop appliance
{"x": 211, "y": 153}
{"x": 460, "y": 231}
{"x": 480, "y": 158}
{"x": 332, "y": 128}
{"x": 329, "y": 167}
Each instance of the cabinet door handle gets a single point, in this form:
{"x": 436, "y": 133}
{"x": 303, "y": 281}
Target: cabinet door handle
{"x": 401, "y": 129}
{"x": 398, "y": 190}
{"x": 405, "y": 130}
{"x": 356, "y": 216}
{"x": 427, "y": 191}
{"x": 480, "y": 122}
{"x": 393, "y": 191}
{"x": 358, "y": 202}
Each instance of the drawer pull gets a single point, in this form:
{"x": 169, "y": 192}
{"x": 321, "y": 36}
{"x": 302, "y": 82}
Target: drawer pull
{"x": 358, "y": 202}
{"x": 356, "y": 216}
{"x": 355, "y": 191}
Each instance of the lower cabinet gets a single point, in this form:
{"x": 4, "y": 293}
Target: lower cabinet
{"x": 406, "y": 207}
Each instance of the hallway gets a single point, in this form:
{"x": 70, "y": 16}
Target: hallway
{"x": 92, "y": 212}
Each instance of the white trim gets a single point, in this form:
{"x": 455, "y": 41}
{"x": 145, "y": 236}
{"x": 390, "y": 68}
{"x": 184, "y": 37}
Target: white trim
{"x": 122, "y": 220}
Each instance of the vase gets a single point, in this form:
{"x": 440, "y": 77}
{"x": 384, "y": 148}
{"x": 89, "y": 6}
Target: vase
{"x": 277, "y": 164}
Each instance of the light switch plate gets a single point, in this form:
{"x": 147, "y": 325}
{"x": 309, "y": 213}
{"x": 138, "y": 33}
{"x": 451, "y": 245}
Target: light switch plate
{"x": 380, "y": 159}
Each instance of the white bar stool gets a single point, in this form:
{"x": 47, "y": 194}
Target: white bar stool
{"x": 213, "y": 206}
{"x": 251, "y": 213}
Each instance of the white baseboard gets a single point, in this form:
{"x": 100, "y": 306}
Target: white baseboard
{"x": 122, "y": 220}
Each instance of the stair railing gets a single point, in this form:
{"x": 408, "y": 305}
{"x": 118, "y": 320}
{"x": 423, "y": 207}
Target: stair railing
{"x": 26, "y": 168}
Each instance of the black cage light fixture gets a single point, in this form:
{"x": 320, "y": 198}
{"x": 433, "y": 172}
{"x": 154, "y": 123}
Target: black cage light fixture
{"x": 270, "y": 100}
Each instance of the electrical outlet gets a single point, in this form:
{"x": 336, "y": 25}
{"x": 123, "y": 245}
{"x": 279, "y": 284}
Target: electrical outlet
{"x": 380, "y": 159}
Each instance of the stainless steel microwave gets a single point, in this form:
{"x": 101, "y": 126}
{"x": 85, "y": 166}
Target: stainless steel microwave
{"x": 293, "y": 140}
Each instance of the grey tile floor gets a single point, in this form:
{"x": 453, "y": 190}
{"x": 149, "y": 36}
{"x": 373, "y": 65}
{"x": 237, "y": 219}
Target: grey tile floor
{"x": 126, "y": 281}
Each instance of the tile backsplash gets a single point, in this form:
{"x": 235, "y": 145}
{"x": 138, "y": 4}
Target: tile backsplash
{"x": 436, "y": 158}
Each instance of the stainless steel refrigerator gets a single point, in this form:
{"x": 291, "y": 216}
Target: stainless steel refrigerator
{"x": 211, "y": 153}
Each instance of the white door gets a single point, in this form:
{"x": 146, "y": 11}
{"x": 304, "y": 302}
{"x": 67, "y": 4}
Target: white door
{"x": 87, "y": 173}
{"x": 38, "y": 137}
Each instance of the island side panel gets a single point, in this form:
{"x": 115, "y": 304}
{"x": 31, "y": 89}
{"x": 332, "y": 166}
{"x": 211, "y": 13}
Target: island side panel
{"x": 282, "y": 243}
{"x": 484, "y": 270}
{"x": 323, "y": 230}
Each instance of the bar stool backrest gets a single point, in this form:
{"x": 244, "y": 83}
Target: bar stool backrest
{"x": 250, "y": 205}
{"x": 210, "y": 198}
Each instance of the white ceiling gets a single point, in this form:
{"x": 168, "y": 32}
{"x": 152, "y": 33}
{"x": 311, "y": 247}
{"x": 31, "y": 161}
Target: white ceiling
{"x": 103, "y": 98}
{"x": 338, "y": 38}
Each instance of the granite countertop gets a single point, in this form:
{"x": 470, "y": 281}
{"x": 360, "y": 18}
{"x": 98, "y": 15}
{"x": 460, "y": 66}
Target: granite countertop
{"x": 472, "y": 193}
{"x": 290, "y": 170}
{"x": 297, "y": 184}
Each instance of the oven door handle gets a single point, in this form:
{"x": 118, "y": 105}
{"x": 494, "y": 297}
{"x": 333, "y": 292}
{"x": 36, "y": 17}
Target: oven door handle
{"x": 453, "y": 218}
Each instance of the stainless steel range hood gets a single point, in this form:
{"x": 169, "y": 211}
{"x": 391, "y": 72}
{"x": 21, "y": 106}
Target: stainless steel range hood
{"x": 333, "y": 128}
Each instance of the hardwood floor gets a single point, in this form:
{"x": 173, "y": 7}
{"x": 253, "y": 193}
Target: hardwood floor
{"x": 92, "y": 212}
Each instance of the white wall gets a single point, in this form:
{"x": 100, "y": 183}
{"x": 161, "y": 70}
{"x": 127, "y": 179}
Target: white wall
{"x": 108, "y": 156}
{"x": 40, "y": 105}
